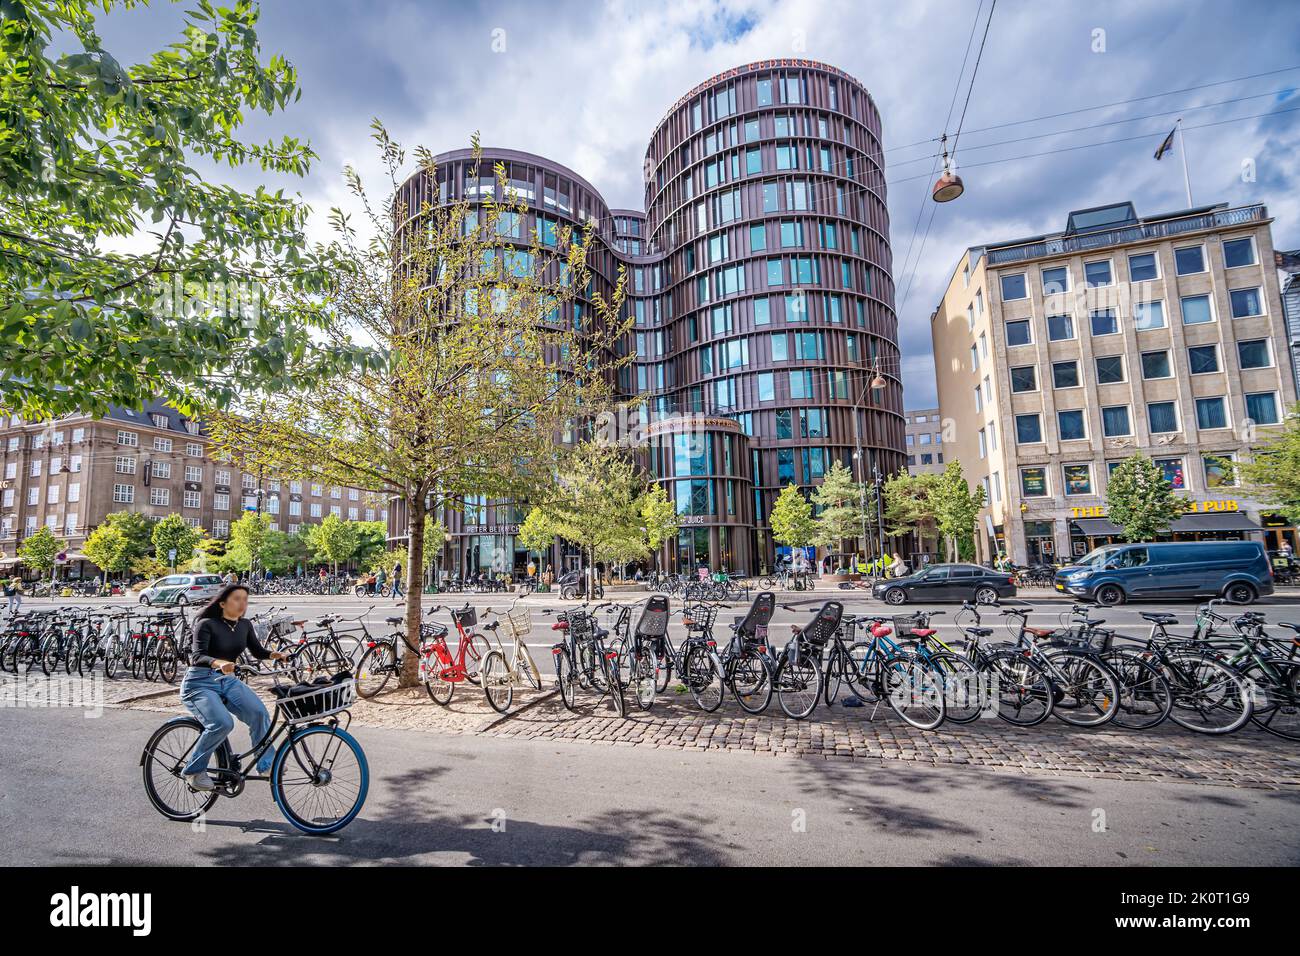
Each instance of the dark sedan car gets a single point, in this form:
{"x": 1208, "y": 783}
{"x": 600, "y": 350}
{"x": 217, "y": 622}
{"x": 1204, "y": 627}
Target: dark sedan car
{"x": 947, "y": 582}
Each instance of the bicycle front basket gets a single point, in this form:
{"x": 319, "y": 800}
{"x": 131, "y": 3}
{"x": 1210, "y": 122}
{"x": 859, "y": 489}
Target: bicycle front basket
{"x": 465, "y": 617}
{"x": 521, "y": 624}
{"x": 319, "y": 699}
{"x": 903, "y": 624}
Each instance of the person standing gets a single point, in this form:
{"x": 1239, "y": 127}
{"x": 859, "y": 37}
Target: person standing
{"x": 397, "y": 580}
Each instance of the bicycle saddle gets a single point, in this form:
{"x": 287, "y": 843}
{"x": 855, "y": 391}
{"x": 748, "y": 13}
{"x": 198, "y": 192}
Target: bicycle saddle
{"x": 493, "y": 625}
{"x": 1043, "y": 631}
{"x": 394, "y": 620}
{"x": 923, "y": 631}
{"x": 1160, "y": 617}
{"x": 1289, "y": 626}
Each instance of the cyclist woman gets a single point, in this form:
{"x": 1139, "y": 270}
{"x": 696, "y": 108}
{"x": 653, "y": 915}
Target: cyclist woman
{"x": 210, "y": 691}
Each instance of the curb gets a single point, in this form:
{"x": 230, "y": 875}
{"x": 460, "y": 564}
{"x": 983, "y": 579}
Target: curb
{"x": 502, "y": 718}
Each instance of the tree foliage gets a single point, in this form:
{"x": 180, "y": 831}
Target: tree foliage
{"x": 109, "y": 547}
{"x": 250, "y": 542}
{"x": 839, "y": 507}
{"x": 1273, "y": 473}
{"x": 171, "y": 533}
{"x": 126, "y": 274}
{"x": 956, "y": 511}
{"x": 39, "y": 550}
{"x": 1140, "y": 499}
{"x": 792, "y": 519}
{"x": 334, "y": 540}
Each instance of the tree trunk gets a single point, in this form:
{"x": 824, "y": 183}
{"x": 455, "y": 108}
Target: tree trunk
{"x": 415, "y": 521}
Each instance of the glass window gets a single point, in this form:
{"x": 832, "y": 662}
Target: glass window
{"x": 1065, "y": 374}
{"x": 1115, "y": 421}
{"x": 1261, "y": 408}
{"x": 1142, "y": 267}
{"x": 1078, "y": 479}
{"x": 1196, "y": 310}
{"x": 1029, "y": 429}
{"x": 1211, "y": 413}
{"x": 1253, "y": 354}
{"x": 1156, "y": 365}
{"x": 775, "y": 274}
{"x": 753, "y": 160}
{"x": 1173, "y": 472}
{"x": 1189, "y": 261}
{"x": 757, "y": 238}
{"x": 1110, "y": 369}
{"x": 1162, "y": 417}
{"x": 1071, "y": 425}
{"x": 1023, "y": 379}
{"x": 1238, "y": 252}
{"x": 1202, "y": 359}
{"x": 1097, "y": 273}
{"x": 1104, "y": 322}
{"x": 762, "y": 311}
{"x": 1060, "y": 327}
{"x": 1149, "y": 315}
{"x": 1033, "y": 482}
{"x": 1018, "y": 333}
{"x": 1218, "y": 471}
{"x": 1245, "y": 302}
{"x": 1013, "y": 286}
{"x": 1056, "y": 281}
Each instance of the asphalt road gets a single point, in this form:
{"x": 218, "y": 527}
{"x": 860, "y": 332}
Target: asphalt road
{"x": 71, "y": 794}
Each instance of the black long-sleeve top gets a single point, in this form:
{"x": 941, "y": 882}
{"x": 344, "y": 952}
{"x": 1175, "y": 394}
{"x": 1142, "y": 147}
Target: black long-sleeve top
{"x": 218, "y": 639}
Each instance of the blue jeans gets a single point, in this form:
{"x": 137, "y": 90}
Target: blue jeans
{"x": 397, "y": 588}
{"x": 213, "y": 697}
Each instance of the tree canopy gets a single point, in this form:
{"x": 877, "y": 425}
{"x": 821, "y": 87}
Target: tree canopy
{"x": 1140, "y": 499}
{"x": 792, "y": 519}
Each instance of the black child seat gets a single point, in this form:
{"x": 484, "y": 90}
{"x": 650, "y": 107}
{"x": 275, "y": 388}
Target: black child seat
{"x": 654, "y": 617}
{"x": 753, "y": 626}
{"x": 824, "y": 623}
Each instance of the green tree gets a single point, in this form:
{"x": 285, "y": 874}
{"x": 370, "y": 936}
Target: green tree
{"x": 477, "y": 380}
{"x": 109, "y": 548}
{"x": 334, "y": 540}
{"x": 1140, "y": 499}
{"x": 39, "y": 550}
{"x": 839, "y": 508}
{"x": 537, "y": 533}
{"x": 172, "y": 533}
{"x": 372, "y": 542}
{"x": 956, "y": 511}
{"x": 659, "y": 518}
{"x": 137, "y": 529}
{"x": 1273, "y": 473}
{"x": 93, "y": 149}
{"x": 249, "y": 543}
{"x": 909, "y": 508}
{"x": 792, "y": 519}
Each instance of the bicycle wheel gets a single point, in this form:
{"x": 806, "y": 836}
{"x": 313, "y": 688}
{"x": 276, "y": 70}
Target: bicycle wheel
{"x": 643, "y": 677}
{"x": 498, "y": 685}
{"x": 375, "y": 669}
{"x": 964, "y": 696}
{"x": 320, "y": 778}
{"x": 476, "y": 649}
{"x": 614, "y": 682}
{"x": 161, "y": 764}
{"x": 1086, "y": 691}
{"x": 317, "y": 658}
{"x": 526, "y": 668}
{"x": 663, "y": 667}
{"x": 436, "y": 685}
{"x": 112, "y": 658}
{"x": 166, "y": 659}
{"x": 1024, "y": 694}
{"x": 1209, "y": 697}
{"x": 150, "y": 666}
{"x": 860, "y": 673}
{"x": 1276, "y": 696}
{"x": 51, "y": 655}
{"x": 914, "y": 690}
{"x": 750, "y": 681}
{"x": 702, "y": 679}
{"x": 1145, "y": 699}
{"x": 564, "y": 677}
{"x": 798, "y": 685}
{"x": 767, "y": 583}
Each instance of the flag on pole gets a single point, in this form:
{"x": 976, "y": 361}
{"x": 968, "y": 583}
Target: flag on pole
{"x": 1168, "y": 144}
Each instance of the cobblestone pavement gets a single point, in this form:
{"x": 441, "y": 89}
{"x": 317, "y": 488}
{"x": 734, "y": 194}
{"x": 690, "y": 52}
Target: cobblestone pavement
{"x": 1250, "y": 758}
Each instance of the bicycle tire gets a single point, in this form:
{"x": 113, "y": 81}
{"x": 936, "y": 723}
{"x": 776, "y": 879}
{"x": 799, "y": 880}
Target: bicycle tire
{"x": 1025, "y": 696}
{"x": 924, "y": 709}
{"x": 792, "y": 683}
{"x": 1192, "y": 686}
{"x": 1281, "y": 698}
{"x": 564, "y": 678}
{"x": 439, "y": 689}
{"x": 645, "y": 678}
{"x": 1145, "y": 697}
{"x": 167, "y": 659}
{"x": 526, "y": 667}
{"x": 1083, "y": 691}
{"x": 498, "y": 684}
{"x": 960, "y": 680}
{"x": 702, "y": 679}
{"x": 476, "y": 649}
{"x": 280, "y": 767}
{"x": 756, "y": 695}
{"x": 375, "y": 669}
{"x": 614, "y": 684}
{"x": 150, "y": 665}
{"x": 168, "y": 768}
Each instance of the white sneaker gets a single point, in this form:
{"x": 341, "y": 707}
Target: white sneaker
{"x": 200, "y": 781}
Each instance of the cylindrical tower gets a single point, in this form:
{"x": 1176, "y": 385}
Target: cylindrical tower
{"x": 765, "y": 203}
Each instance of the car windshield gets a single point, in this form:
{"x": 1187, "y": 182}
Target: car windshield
{"x": 1097, "y": 558}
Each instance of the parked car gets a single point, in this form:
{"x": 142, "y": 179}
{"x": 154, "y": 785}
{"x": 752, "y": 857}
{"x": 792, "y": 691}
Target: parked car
{"x": 182, "y": 589}
{"x": 947, "y": 582}
{"x": 1237, "y": 571}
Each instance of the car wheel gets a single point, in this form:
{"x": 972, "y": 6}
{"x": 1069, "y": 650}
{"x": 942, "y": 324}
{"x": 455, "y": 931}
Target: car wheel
{"x": 986, "y": 595}
{"x": 1108, "y": 595}
{"x": 1239, "y": 593}
{"x": 182, "y": 600}
{"x": 895, "y": 596}
{"x": 144, "y": 600}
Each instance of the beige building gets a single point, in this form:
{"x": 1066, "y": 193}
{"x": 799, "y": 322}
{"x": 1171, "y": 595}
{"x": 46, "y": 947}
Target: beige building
{"x": 68, "y": 474}
{"x": 924, "y": 431}
{"x": 1057, "y": 356}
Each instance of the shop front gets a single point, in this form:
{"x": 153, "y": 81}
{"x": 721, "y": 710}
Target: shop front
{"x": 1219, "y": 520}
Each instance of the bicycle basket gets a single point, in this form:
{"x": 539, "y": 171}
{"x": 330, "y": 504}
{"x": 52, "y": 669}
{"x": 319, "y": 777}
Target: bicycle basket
{"x": 903, "y": 624}
{"x": 321, "y": 698}
{"x": 825, "y": 624}
{"x": 465, "y": 617}
{"x": 521, "y": 624}
{"x": 654, "y": 619}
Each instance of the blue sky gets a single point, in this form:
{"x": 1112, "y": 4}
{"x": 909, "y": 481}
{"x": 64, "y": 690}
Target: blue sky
{"x": 584, "y": 83}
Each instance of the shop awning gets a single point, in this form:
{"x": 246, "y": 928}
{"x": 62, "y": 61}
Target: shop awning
{"x": 1225, "y": 521}
{"x": 1094, "y": 527}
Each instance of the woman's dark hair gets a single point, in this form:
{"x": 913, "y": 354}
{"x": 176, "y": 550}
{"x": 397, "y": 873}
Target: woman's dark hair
{"x": 213, "y": 608}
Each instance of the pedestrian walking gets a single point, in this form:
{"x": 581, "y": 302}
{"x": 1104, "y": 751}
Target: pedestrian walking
{"x": 397, "y": 580}
{"x": 14, "y": 594}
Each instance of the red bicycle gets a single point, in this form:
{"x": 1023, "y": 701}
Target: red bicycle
{"x": 440, "y": 669}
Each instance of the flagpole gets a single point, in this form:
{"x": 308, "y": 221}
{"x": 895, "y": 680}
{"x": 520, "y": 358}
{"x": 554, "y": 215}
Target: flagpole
{"x": 1182, "y": 149}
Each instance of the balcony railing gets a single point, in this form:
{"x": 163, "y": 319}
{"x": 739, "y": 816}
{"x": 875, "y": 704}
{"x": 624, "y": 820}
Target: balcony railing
{"x": 1141, "y": 232}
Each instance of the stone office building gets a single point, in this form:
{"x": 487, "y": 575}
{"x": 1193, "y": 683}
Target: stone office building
{"x": 1059, "y": 355}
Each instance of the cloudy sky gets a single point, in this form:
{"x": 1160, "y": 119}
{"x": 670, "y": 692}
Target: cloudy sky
{"x": 584, "y": 83}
